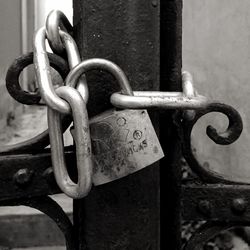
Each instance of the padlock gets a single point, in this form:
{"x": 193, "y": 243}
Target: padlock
{"x": 123, "y": 141}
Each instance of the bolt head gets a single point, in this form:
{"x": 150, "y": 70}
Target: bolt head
{"x": 48, "y": 174}
{"x": 204, "y": 207}
{"x": 239, "y": 206}
{"x": 23, "y": 176}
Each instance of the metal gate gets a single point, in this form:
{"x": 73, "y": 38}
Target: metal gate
{"x": 143, "y": 210}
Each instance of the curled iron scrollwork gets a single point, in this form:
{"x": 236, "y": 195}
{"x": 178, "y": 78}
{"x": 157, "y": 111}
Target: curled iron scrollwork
{"x": 48, "y": 206}
{"x": 208, "y": 231}
{"x": 232, "y": 133}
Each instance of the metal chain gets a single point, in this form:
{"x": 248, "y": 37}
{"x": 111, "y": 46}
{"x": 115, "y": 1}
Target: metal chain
{"x": 101, "y": 64}
{"x": 82, "y": 142}
{"x": 41, "y": 65}
{"x": 58, "y": 30}
{"x": 57, "y": 20}
{"x": 64, "y": 100}
{"x": 72, "y": 99}
{"x": 188, "y": 99}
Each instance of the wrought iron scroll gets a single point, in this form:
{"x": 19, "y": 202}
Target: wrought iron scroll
{"x": 227, "y": 137}
{"x": 208, "y": 231}
{"x": 13, "y": 86}
{"x": 49, "y": 207}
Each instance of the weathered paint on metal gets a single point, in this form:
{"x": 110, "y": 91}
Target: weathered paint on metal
{"x": 27, "y": 175}
{"x": 123, "y": 214}
{"x": 216, "y": 202}
{"x": 144, "y": 38}
{"x": 170, "y": 80}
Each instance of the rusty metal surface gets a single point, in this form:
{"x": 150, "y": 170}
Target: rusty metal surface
{"x": 210, "y": 230}
{"x": 26, "y": 175}
{"x": 170, "y": 80}
{"x": 18, "y": 65}
{"x": 123, "y": 214}
{"x": 123, "y": 142}
{"x": 41, "y": 140}
{"x": 227, "y": 137}
{"x": 144, "y": 39}
{"x": 125, "y": 32}
{"x": 221, "y": 206}
{"x": 216, "y": 202}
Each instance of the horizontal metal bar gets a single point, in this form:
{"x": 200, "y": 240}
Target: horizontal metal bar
{"x": 25, "y": 176}
{"x": 229, "y": 203}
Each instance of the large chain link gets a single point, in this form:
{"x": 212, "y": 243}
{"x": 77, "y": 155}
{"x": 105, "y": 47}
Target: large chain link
{"x": 43, "y": 73}
{"x": 188, "y": 99}
{"x": 82, "y": 141}
{"x": 72, "y": 99}
{"x": 64, "y": 100}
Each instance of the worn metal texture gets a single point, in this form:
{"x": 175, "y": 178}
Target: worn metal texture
{"x": 170, "y": 80}
{"x": 14, "y": 72}
{"x": 125, "y": 32}
{"x": 123, "y": 214}
{"x": 123, "y": 141}
{"x": 208, "y": 231}
{"x": 27, "y": 175}
{"x": 216, "y": 202}
{"x": 230, "y": 135}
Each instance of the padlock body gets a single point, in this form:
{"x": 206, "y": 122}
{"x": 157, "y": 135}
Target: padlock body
{"x": 123, "y": 142}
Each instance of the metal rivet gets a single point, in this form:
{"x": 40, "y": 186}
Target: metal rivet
{"x": 23, "y": 176}
{"x": 204, "y": 207}
{"x": 48, "y": 174}
{"x": 239, "y": 206}
{"x": 154, "y": 3}
{"x": 189, "y": 115}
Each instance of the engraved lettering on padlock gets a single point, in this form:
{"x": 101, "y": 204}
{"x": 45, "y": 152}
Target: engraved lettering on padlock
{"x": 123, "y": 142}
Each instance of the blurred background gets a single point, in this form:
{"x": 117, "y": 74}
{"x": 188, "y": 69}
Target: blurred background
{"x": 216, "y": 50}
{"x": 23, "y": 226}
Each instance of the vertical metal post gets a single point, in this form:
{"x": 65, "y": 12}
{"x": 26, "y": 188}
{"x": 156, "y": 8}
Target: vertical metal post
{"x": 170, "y": 80}
{"x": 125, "y": 214}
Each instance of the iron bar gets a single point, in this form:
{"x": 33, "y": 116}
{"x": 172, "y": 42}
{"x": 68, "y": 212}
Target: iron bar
{"x": 170, "y": 80}
{"x": 123, "y": 214}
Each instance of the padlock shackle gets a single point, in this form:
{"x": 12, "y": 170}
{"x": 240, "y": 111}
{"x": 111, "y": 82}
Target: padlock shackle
{"x": 100, "y": 64}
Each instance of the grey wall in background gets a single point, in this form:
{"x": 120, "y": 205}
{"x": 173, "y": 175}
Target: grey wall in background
{"x": 10, "y": 48}
{"x": 216, "y": 49}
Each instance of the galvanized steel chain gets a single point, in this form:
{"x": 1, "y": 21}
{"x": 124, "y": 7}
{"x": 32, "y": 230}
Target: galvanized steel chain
{"x": 41, "y": 61}
{"x": 186, "y": 100}
{"x": 64, "y": 100}
{"x": 72, "y": 99}
{"x": 59, "y": 40}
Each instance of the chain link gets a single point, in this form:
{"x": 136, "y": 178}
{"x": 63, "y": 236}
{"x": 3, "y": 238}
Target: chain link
{"x": 42, "y": 63}
{"x": 64, "y": 100}
{"x": 56, "y": 21}
{"x": 82, "y": 142}
{"x": 100, "y": 64}
{"x": 72, "y": 99}
{"x": 186, "y": 100}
